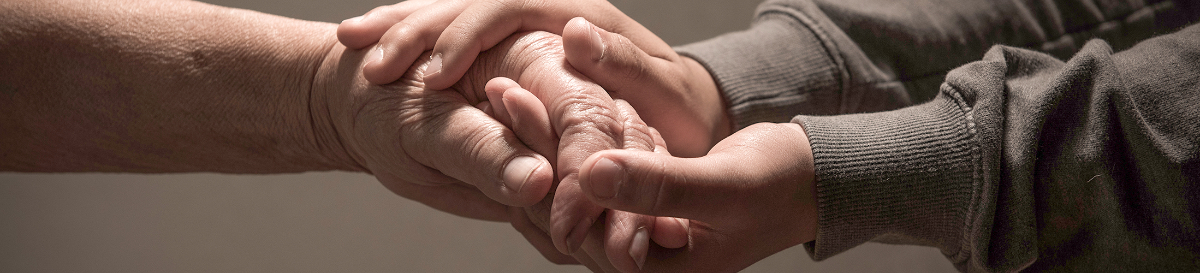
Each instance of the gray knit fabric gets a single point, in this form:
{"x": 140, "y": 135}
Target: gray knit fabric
{"x": 1018, "y": 161}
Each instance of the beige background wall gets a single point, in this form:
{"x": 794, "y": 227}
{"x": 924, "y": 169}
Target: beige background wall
{"x": 321, "y": 222}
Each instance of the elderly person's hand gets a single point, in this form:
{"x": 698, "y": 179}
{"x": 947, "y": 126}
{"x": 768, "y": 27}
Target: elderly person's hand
{"x": 619, "y": 241}
{"x": 429, "y": 145}
{"x": 575, "y": 118}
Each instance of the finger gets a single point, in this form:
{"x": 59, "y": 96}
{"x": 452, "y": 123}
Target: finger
{"x": 526, "y": 221}
{"x": 571, "y": 215}
{"x": 661, "y": 185}
{"x": 660, "y": 144}
{"x": 670, "y": 232}
{"x": 640, "y": 137}
{"x": 530, "y": 121}
{"x": 612, "y": 60}
{"x": 593, "y": 247}
{"x": 637, "y": 135}
{"x": 483, "y": 25}
{"x": 586, "y": 121}
{"x": 646, "y": 81}
{"x": 453, "y": 197}
{"x": 494, "y": 90}
{"x": 464, "y": 143}
{"x": 627, "y": 239}
{"x": 365, "y": 30}
{"x": 536, "y": 237}
{"x": 403, "y": 42}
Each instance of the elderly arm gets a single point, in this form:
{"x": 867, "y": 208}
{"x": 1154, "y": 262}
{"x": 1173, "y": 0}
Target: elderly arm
{"x": 159, "y": 86}
{"x": 177, "y": 86}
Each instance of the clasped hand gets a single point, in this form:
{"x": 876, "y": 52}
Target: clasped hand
{"x": 751, "y": 195}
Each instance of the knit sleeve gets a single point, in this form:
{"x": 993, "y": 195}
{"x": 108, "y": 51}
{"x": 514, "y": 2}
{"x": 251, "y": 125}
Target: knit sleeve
{"x": 792, "y": 61}
{"x": 1024, "y": 162}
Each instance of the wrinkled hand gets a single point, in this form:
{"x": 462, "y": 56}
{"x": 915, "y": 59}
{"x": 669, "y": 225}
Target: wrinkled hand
{"x": 617, "y": 242}
{"x": 673, "y": 93}
{"x": 753, "y": 195}
{"x": 406, "y": 134}
{"x": 431, "y": 146}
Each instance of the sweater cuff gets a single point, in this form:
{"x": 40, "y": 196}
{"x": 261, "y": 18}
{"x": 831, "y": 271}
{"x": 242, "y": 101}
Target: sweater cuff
{"x": 904, "y": 176}
{"x": 771, "y": 72}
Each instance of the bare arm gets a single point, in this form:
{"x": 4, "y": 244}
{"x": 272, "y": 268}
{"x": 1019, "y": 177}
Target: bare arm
{"x": 159, "y": 86}
{"x": 177, "y": 86}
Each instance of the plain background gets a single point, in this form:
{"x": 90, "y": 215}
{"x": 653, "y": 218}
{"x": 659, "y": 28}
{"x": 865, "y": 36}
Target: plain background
{"x": 322, "y": 222}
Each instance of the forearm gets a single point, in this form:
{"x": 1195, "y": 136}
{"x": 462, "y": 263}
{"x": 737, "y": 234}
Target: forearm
{"x": 157, "y": 86}
{"x": 836, "y": 57}
{"x": 1022, "y": 158}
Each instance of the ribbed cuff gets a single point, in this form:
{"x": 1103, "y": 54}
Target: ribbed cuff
{"x": 773, "y": 71}
{"x": 903, "y": 176}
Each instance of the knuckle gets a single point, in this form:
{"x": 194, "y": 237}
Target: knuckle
{"x": 540, "y": 44}
{"x": 377, "y": 10}
{"x": 638, "y": 136}
{"x": 482, "y": 143}
{"x": 582, "y": 112}
{"x": 409, "y": 33}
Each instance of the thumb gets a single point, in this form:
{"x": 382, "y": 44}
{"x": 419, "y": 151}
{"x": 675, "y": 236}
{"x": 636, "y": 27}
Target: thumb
{"x": 612, "y": 60}
{"x": 661, "y": 185}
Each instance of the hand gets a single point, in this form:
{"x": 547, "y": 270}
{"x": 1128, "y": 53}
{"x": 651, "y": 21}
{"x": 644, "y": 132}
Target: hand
{"x": 675, "y": 94}
{"x": 431, "y": 146}
{"x": 616, "y": 242}
{"x": 581, "y": 114}
{"x": 753, "y": 195}
{"x": 457, "y": 30}
{"x": 626, "y": 236}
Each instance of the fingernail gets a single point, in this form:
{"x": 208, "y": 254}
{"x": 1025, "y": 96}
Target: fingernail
{"x": 513, "y": 118}
{"x": 375, "y": 55}
{"x": 597, "y": 42}
{"x": 684, "y": 224}
{"x": 606, "y": 178}
{"x": 435, "y": 65}
{"x": 518, "y": 171}
{"x": 355, "y": 19}
{"x": 640, "y": 246}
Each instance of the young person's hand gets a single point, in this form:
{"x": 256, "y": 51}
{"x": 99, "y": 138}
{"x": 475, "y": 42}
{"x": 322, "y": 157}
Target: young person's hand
{"x": 674, "y": 94}
{"x": 753, "y": 195}
{"x": 457, "y": 30}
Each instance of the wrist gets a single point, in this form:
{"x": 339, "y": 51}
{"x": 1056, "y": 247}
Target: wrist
{"x": 332, "y": 74}
{"x": 807, "y": 188}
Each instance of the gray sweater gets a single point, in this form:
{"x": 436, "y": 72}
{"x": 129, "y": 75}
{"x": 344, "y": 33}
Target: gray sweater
{"x": 1010, "y": 159}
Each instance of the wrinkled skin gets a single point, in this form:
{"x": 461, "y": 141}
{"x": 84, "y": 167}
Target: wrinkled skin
{"x": 404, "y": 117}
